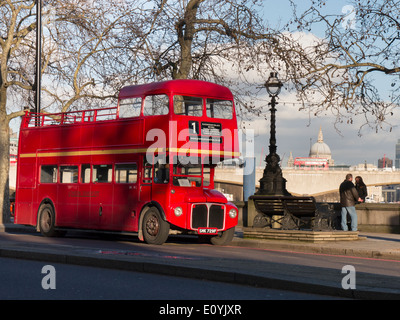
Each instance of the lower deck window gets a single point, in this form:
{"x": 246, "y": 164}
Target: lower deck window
{"x": 190, "y": 172}
{"x": 102, "y": 173}
{"x": 48, "y": 174}
{"x": 126, "y": 173}
{"x": 69, "y": 174}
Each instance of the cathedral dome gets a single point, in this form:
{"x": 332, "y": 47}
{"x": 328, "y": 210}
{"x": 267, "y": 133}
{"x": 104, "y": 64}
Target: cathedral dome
{"x": 320, "y": 149}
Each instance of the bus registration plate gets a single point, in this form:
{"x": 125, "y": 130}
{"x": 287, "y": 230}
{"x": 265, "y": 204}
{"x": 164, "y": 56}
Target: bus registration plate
{"x": 207, "y": 231}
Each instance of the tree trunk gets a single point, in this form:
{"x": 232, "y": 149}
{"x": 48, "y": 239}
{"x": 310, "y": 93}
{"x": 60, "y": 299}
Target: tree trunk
{"x": 186, "y": 31}
{"x": 4, "y": 169}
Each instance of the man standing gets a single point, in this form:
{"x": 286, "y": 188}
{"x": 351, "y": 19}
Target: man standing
{"x": 348, "y": 199}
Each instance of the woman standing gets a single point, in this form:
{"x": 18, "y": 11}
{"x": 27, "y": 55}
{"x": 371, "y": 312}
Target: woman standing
{"x": 361, "y": 188}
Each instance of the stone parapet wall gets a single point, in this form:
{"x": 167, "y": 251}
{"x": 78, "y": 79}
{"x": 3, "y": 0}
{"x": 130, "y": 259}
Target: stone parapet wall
{"x": 379, "y": 217}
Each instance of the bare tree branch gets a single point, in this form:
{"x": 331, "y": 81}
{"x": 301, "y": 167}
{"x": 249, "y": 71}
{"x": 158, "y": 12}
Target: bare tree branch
{"x": 339, "y": 72}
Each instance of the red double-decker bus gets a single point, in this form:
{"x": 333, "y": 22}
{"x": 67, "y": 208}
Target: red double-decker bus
{"x": 145, "y": 166}
{"x": 308, "y": 163}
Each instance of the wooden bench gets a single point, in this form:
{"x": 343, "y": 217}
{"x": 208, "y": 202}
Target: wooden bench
{"x": 290, "y": 212}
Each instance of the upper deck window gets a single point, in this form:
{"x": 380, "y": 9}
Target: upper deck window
{"x": 156, "y": 105}
{"x": 188, "y": 106}
{"x": 130, "y": 107}
{"x": 221, "y": 109}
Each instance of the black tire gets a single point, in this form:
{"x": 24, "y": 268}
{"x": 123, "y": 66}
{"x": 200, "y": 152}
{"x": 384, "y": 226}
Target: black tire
{"x": 223, "y": 237}
{"x": 155, "y": 229}
{"x": 46, "y": 222}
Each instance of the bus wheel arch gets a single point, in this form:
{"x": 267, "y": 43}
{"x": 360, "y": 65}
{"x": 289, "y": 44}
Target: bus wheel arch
{"x": 153, "y": 227}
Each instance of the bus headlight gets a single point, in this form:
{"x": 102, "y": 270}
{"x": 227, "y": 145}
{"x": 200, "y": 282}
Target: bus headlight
{"x": 178, "y": 211}
{"x": 233, "y": 213}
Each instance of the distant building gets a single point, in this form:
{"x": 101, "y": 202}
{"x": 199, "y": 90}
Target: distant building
{"x": 385, "y": 163}
{"x": 391, "y": 193}
{"x": 13, "y": 147}
{"x": 374, "y": 194}
{"x": 364, "y": 166}
{"x": 290, "y": 162}
{"x": 397, "y": 159}
{"x": 321, "y": 150}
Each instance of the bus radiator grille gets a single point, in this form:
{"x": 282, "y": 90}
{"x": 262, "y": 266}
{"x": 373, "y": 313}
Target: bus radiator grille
{"x": 199, "y": 216}
{"x": 216, "y": 217}
{"x": 212, "y": 217}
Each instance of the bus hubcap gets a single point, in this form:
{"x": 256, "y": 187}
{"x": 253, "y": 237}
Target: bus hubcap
{"x": 152, "y": 226}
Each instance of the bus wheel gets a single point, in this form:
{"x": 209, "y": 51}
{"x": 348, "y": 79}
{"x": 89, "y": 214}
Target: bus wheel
{"x": 155, "y": 229}
{"x": 223, "y": 237}
{"x": 47, "y": 220}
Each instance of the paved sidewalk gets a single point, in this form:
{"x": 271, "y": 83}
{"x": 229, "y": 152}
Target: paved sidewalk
{"x": 237, "y": 270}
{"x": 370, "y": 245}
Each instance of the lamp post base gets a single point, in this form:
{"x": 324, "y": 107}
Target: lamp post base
{"x": 273, "y": 183}
{"x": 273, "y": 186}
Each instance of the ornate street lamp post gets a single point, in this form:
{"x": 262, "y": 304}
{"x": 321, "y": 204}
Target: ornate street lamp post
{"x": 272, "y": 182}
{"x": 38, "y": 75}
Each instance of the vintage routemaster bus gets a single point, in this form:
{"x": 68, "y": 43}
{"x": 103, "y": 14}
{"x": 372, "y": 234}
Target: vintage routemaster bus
{"x": 145, "y": 166}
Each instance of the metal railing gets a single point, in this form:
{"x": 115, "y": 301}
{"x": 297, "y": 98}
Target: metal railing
{"x": 32, "y": 119}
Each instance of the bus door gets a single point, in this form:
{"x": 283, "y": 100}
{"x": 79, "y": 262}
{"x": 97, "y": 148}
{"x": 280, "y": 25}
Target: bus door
{"x": 68, "y": 196}
{"x": 101, "y": 205}
{"x": 85, "y": 196}
{"x": 161, "y": 180}
{"x": 26, "y": 184}
{"x": 146, "y": 181}
{"x": 125, "y": 198}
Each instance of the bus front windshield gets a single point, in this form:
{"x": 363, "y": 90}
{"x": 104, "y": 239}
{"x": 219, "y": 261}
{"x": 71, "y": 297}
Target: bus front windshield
{"x": 189, "y": 172}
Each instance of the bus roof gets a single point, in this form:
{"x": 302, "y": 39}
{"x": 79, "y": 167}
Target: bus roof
{"x": 183, "y": 86}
